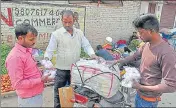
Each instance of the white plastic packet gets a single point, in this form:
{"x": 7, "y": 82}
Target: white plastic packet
{"x": 51, "y": 72}
{"x": 49, "y": 68}
{"x": 102, "y": 79}
{"x": 131, "y": 74}
{"x": 47, "y": 64}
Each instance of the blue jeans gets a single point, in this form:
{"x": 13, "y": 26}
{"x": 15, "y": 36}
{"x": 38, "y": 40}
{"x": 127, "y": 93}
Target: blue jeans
{"x": 139, "y": 102}
{"x": 35, "y": 101}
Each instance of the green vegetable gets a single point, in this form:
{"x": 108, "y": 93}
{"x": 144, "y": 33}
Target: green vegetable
{"x": 83, "y": 54}
{"x": 5, "y": 49}
{"x": 134, "y": 44}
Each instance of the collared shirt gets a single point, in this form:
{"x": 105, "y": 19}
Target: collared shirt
{"x": 53, "y": 42}
{"x": 24, "y": 73}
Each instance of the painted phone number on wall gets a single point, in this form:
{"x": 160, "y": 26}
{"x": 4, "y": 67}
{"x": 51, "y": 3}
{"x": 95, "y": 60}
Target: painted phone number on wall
{"x": 36, "y": 12}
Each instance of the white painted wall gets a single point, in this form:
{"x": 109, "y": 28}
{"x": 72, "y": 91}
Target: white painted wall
{"x": 55, "y": 2}
{"x": 144, "y": 7}
{"x": 158, "y": 10}
{"x": 175, "y": 22}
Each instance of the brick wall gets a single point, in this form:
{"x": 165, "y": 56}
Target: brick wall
{"x": 109, "y": 21}
{"x": 100, "y": 22}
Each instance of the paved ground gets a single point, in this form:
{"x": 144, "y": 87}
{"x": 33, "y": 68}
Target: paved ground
{"x": 47, "y": 96}
{"x": 168, "y": 100}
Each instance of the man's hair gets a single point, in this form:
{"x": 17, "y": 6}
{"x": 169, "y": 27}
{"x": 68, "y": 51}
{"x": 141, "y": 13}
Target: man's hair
{"x": 24, "y": 28}
{"x": 147, "y": 22}
{"x": 67, "y": 13}
{"x": 99, "y": 47}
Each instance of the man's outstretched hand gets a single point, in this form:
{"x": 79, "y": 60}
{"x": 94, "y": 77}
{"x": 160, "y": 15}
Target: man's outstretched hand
{"x": 99, "y": 59}
{"x": 93, "y": 56}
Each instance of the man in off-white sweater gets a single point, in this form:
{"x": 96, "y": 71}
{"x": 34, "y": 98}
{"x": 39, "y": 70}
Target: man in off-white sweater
{"x": 67, "y": 41}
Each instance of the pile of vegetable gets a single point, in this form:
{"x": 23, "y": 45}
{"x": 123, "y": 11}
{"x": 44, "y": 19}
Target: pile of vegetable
{"x": 6, "y": 83}
{"x": 5, "y": 80}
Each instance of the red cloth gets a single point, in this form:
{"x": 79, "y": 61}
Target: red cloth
{"x": 121, "y": 42}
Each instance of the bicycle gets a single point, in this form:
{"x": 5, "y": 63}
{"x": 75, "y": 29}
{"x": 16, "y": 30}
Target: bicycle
{"x": 87, "y": 96}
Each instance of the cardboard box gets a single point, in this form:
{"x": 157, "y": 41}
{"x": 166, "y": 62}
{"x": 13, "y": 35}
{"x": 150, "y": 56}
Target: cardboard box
{"x": 66, "y": 94}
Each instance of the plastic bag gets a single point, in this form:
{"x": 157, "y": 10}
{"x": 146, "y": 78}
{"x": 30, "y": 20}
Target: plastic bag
{"x": 130, "y": 75}
{"x": 105, "y": 81}
{"x": 49, "y": 68}
{"x": 47, "y": 64}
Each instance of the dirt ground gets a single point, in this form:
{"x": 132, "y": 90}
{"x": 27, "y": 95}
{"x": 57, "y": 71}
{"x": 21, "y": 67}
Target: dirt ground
{"x": 168, "y": 100}
{"x": 11, "y": 101}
